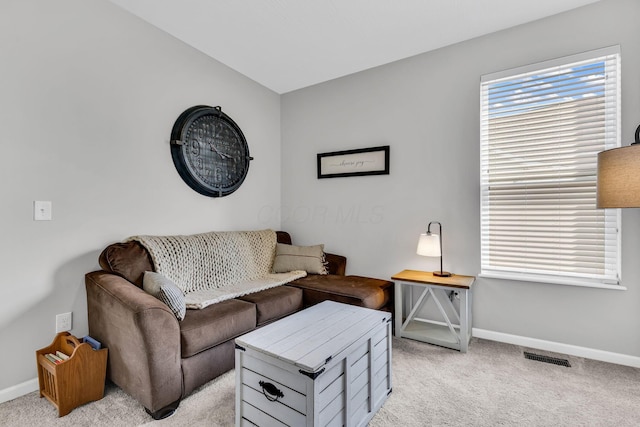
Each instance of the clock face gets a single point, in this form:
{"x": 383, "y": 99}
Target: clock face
{"x": 209, "y": 151}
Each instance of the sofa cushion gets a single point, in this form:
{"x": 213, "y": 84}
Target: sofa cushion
{"x": 129, "y": 260}
{"x": 217, "y": 323}
{"x": 355, "y": 290}
{"x": 166, "y": 291}
{"x": 275, "y": 303}
{"x": 307, "y": 258}
{"x": 335, "y": 264}
{"x": 283, "y": 237}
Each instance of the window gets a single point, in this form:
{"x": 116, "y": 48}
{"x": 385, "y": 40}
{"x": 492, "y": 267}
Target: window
{"x": 541, "y": 129}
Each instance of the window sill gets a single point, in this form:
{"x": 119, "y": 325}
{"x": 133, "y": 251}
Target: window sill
{"x": 551, "y": 280}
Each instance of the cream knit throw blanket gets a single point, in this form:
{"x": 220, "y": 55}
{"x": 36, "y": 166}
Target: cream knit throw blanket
{"x": 216, "y": 266}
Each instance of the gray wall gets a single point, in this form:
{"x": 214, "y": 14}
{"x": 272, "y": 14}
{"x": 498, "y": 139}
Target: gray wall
{"x": 88, "y": 96}
{"x": 427, "y": 109}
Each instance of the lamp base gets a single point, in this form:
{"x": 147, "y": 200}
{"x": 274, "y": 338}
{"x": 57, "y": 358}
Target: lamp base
{"x": 442, "y": 274}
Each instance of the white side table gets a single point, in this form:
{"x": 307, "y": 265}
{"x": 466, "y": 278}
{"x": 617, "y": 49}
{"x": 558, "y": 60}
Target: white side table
{"x": 449, "y": 333}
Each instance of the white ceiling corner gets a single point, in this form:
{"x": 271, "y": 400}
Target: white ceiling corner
{"x": 290, "y": 44}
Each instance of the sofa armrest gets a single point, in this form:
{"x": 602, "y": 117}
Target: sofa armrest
{"x": 143, "y": 338}
{"x": 336, "y": 264}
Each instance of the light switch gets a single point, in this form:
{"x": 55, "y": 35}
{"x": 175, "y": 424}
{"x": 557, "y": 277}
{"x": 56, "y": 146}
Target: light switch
{"x": 41, "y": 211}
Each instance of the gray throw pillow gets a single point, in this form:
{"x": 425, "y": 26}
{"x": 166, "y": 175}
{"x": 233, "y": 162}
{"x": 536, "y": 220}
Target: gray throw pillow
{"x": 308, "y": 258}
{"x": 166, "y": 291}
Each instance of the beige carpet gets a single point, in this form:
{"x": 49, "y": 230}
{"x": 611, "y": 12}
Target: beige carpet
{"x": 492, "y": 385}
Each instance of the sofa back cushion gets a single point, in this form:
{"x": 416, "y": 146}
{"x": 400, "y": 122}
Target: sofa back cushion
{"x": 216, "y": 260}
{"x": 129, "y": 260}
{"x": 283, "y": 237}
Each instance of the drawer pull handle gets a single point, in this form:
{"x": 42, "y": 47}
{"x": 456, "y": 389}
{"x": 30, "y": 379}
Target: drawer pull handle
{"x": 271, "y": 392}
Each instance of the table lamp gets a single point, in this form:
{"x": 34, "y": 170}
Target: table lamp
{"x": 431, "y": 245}
{"x": 618, "y": 184}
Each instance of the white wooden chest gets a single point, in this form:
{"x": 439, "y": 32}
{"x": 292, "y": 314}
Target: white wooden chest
{"x": 328, "y": 365}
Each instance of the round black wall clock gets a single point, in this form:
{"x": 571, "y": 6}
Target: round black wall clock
{"x": 209, "y": 151}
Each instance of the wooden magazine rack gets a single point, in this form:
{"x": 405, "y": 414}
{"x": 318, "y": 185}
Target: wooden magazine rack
{"x": 75, "y": 381}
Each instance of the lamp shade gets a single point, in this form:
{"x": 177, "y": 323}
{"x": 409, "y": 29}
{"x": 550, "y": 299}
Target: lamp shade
{"x": 618, "y": 184}
{"x": 429, "y": 245}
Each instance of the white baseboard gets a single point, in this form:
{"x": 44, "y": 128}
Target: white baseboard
{"x": 556, "y": 347}
{"x": 19, "y": 390}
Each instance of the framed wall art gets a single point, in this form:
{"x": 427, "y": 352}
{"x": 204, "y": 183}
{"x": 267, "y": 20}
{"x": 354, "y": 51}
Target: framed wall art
{"x": 358, "y": 162}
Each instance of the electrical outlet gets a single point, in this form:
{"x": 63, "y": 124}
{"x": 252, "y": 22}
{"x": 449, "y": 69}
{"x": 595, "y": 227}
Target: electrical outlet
{"x": 63, "y": 322}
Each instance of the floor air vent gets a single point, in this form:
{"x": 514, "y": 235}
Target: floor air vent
{"x": 547, "y": 359}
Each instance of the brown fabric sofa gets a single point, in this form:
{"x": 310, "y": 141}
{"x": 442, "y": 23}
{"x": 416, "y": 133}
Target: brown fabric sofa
{"x": 159, "y": 360}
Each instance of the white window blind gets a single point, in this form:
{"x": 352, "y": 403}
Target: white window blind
{"x": 541, "y": 129}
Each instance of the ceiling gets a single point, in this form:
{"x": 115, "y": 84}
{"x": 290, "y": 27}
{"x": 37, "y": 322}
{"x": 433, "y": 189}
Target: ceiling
{"x": 290, "y": 44}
